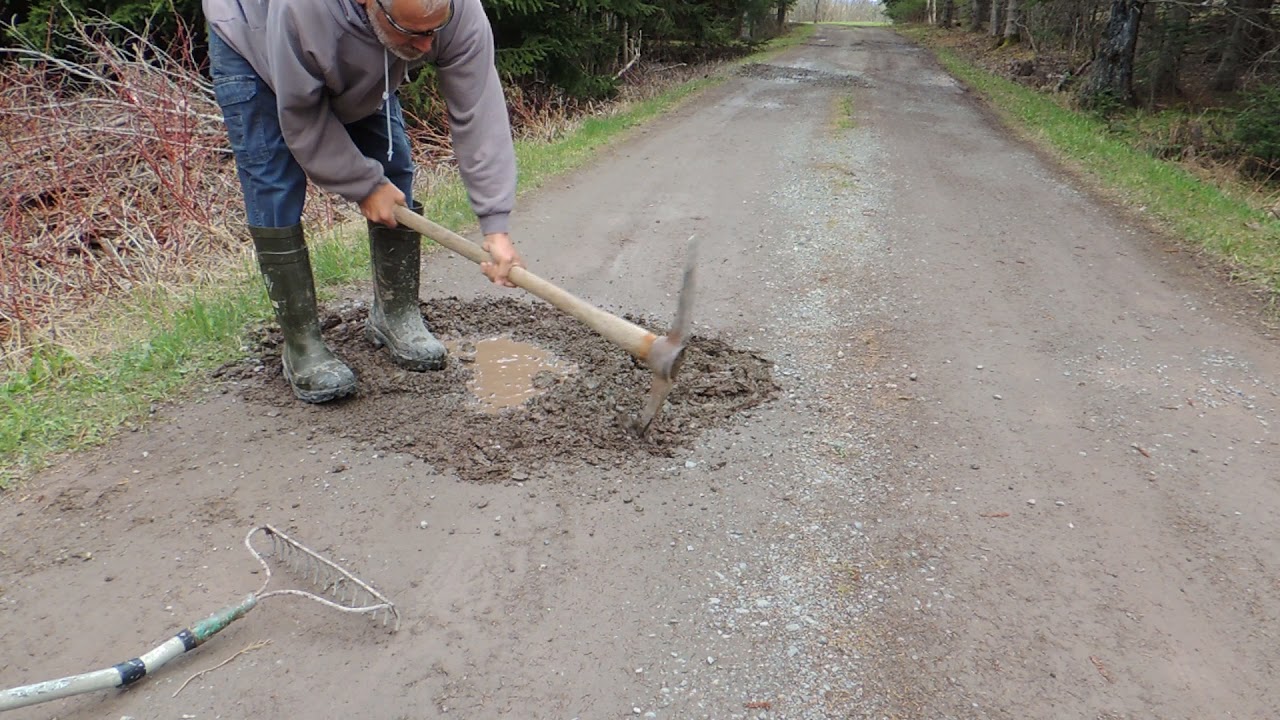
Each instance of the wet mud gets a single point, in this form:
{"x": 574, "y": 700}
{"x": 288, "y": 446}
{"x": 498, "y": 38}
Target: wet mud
{"x": 786, "y": 74}
{"x": 585, "y": 389}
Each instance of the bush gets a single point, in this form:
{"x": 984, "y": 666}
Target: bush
{"x": 907, "y": 11}
{"x": 1258, "y": 128}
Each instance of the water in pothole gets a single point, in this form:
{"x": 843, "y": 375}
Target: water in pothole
{"x": 507, "y": 373}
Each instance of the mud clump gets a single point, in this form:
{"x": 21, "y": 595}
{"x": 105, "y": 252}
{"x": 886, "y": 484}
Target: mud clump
{"x": 578, "y": 417}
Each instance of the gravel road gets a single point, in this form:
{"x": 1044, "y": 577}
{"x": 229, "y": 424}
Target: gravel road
{"x": 964, "y": 441}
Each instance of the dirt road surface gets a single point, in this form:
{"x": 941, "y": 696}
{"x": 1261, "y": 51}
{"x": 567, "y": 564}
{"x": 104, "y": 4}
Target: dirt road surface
{"x": 957, "y": 440}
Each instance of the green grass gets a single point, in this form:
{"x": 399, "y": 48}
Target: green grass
{"x": 844, "y": 113}
{"x": 61, "y": 403}
{"x": 1207, "y": 216}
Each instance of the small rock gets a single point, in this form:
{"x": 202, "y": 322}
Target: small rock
{"x": 974, "y": 466}
{"x": 998, "y": 397}
{"x": 711, "y": 661}
{"x": 423, "y": 524}
{"x": 1059, "y": 503}
{"x": 793, "y": 627}
{"x": 1031, "y": 502}
{"x": 690, "y": 464}
{"x": 913, "y": 376}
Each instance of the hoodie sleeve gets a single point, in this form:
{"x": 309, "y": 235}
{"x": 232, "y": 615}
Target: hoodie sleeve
{"x": 478, "y": 123}
{"x": 316, "y": 137}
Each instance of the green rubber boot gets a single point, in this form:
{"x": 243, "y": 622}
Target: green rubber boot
{"x": 314, "y": 373}
{"x": 395, "y": 319}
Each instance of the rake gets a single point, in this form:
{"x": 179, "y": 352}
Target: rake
{"x": 349, "y": 594}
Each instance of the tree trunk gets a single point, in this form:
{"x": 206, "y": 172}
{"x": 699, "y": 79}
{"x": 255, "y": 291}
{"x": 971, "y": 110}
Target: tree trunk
{"x": 948, "y": 13}
{"x": 1112, "y": 72}
{"x": 782, "y": 14}
{"x": 1171, "y": 41}
{"x": 1011, "y": 30}
{"x": 995, "y": 18}
{"x": 977, "y": 11}
{"x": 1234, "y": 52}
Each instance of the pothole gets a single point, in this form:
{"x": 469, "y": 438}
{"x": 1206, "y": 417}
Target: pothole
{"x": 584, "y": 387}
{"x": 785, "y": 74}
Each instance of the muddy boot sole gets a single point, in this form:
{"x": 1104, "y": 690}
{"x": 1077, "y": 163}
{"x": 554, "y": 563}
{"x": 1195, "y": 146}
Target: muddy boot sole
{"x": 321, "y": 395}
{"x": 378, "y": 339}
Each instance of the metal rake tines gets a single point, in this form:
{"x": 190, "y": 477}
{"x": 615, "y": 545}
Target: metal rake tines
{"x": 351, "y": 594}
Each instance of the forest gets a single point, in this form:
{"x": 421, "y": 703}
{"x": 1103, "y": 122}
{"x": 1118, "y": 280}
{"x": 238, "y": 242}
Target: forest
{"x": 1212, "y": 67}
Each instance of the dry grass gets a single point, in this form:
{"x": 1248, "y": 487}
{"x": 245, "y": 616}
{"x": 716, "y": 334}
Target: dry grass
{"x": 111, "y": 170}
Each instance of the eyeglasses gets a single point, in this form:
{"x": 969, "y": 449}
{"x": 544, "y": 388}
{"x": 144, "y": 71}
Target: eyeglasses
{"x": 414, "y": 33}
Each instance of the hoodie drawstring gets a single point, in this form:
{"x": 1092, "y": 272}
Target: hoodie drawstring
{"x": 386, "y": 102}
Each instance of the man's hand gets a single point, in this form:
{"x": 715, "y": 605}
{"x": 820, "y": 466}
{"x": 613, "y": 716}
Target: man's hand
{"x": 505, "y": 257}
{"x": 380, "y": 206}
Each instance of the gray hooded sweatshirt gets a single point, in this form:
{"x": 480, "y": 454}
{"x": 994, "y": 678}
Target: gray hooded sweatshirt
{"x": 326, "y": 67}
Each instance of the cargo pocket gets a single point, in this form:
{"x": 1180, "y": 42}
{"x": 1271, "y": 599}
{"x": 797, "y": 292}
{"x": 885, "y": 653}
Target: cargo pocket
{"x": 246, "y": 119}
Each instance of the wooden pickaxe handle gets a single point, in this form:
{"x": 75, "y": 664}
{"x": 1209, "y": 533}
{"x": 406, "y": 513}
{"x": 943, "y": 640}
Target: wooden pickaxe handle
{"x": 626, "y": 335}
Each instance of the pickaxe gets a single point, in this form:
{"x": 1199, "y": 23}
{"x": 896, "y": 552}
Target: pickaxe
{"x": 662, "y": 354}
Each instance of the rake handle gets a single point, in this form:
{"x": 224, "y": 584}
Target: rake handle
{"x": 129, "y": 671}
{"x": 626, "y": 335}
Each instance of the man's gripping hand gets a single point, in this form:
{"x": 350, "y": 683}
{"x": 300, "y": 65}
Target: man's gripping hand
{"x": 504, "y": 256}
{"x": 380, "y": 206}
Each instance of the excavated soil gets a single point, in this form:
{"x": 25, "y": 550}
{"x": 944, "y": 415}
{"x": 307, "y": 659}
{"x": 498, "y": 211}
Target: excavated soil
{"x": 579, "y": 416}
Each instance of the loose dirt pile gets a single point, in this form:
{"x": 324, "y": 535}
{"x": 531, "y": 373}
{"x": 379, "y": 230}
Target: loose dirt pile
{"x": 577, "y": 418}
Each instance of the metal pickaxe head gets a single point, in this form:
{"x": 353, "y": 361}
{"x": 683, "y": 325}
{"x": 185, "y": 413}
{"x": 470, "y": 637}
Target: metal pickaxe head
{"x": 666, "y": 354}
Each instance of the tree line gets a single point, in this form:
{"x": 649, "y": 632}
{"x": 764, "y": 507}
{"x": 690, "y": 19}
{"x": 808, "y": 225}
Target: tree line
{"x": 1149, "y": 50}
{"x": 578, "y": 46}
{"x": 1216, "y": 61}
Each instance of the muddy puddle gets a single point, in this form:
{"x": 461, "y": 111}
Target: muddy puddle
{"x": 505, "y": 372}
{"x": 527, "y": 389}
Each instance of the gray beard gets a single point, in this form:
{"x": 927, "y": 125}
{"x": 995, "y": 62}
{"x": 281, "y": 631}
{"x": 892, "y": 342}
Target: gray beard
{"x": 404, "y": 52}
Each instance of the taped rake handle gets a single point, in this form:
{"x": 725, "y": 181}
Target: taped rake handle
{"x": 130, "y": 671}
{"x": 626, "y": 335}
